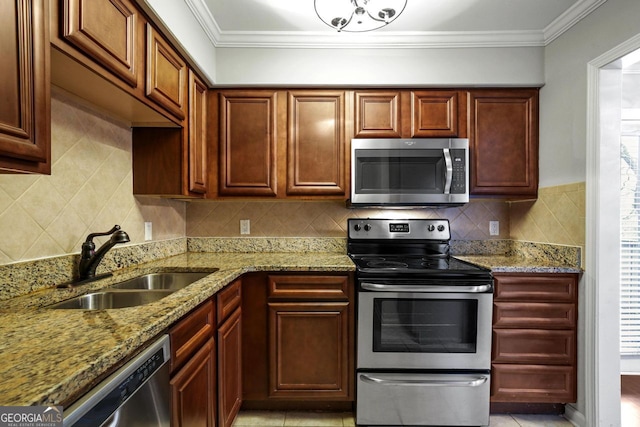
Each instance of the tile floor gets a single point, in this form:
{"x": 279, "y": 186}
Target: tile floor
{"x": 320, "y": 419}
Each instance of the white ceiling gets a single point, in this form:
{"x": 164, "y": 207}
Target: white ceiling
{"x": 424, "y": 23}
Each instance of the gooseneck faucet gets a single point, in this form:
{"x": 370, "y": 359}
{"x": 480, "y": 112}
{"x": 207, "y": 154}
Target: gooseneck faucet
{"x": 90, "y": 258}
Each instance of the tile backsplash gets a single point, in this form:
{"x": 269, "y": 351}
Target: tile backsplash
{"x": 89, "y": 190}
{"x": 329, "y": 218}
{"x": 557, "y": 216}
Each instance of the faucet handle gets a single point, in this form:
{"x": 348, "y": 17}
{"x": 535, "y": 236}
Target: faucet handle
{"x": 106, "y": 233}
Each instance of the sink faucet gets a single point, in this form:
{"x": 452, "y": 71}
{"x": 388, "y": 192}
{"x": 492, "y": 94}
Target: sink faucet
{"x": 90, "y": 258}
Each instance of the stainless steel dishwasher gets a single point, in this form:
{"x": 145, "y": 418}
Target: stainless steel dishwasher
{"x": 136, "y": 395}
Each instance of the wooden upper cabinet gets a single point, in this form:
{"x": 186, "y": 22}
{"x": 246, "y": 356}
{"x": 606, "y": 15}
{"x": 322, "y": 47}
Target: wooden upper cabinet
{"x": 166, "y": 74}
{"x": 248, "y": 141}
{"x": 435, "y": 114}
{"x": 316, "y": 143}
{"x": 197, "y": 146}
{"x": 377, "y": 114}
{"x": 25, "y": 114}
{"x": 410, "y": 114}
{"x": 504, "y": 142}
{"x": 106, "y": 30}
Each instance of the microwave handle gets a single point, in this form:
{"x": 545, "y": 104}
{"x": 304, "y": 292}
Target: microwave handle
{"x": 448, "y": 178}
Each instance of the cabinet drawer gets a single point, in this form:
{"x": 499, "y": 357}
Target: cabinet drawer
{"x": 533, "y": 383}
{"x": 534, "y": 346}
{"x": 227, "y": 300}
{"x": 191, "y": 333}
{"x": 309, "y": 287}
{"x": 538, "y": 287}
{"x": 534, "y": 315}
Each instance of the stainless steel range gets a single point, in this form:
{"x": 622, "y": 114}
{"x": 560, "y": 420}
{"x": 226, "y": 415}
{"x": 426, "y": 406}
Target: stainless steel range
{"x": 423, "y": 327}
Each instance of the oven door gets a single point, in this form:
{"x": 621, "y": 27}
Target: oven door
{"x": 429, "y": 328}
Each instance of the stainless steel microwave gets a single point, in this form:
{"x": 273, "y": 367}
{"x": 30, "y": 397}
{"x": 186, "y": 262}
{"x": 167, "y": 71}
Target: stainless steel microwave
{"x": 409, "y": 172}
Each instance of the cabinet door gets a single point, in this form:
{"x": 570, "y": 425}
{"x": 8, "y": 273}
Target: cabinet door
{"x": 434, "y": 114}
{"x": 377, "y": 114}
{"x": 316, "y": 143}
{"x": 229, "y": 369}
{"x": 504, "y": 142}
{"x": 105, "y": 30}
{"x": 25, "y": 115}
{"x": 193, "y": 390}
{"x": 248, "y": 143}
{"x": 166, "y": 74}
{"x": 197, "y": 134}
{"x": 309, "y": 350}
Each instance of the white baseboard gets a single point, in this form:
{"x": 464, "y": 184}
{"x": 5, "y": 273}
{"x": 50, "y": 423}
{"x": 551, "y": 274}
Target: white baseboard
{"x": 574, "y": 416}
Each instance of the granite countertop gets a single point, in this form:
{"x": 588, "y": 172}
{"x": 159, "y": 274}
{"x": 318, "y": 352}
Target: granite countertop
{"x": 50, "y": 357}
{"x": 519, "y": 264}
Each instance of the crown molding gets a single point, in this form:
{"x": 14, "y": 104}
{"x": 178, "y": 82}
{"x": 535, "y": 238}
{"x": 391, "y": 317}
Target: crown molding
{"x": 391, "y": 40}
{"x": 570, "y": 18}
{"x": 387, "y": 40}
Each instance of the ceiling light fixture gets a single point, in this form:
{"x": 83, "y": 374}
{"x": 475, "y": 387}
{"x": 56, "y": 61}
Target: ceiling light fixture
{"x": 358, "y": 15}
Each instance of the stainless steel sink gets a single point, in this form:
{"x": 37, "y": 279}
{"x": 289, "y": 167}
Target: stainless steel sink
{"x": 112, "y": 299}
{"x": 167, "y": 281}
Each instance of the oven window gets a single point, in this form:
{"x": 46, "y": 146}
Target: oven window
{"x": 425, "y": 325}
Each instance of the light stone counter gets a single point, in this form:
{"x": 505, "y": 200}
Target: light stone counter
{"x": 518, "y": 264}
{"x": 50, "y": 357}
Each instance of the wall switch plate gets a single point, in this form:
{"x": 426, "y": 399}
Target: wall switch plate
{"x": 494, "y": 228}
{"x": 148, "y": 231}
{"x": 245, "y": 226}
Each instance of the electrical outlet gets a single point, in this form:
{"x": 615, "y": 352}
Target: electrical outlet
{"x": 148, "y": 231}
{"x": 494, "y": 228}
{"x": 245, "y": 226}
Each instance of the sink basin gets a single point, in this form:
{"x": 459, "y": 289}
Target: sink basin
{"x": 166, "y": 281}
{"x": 111, "y": 299}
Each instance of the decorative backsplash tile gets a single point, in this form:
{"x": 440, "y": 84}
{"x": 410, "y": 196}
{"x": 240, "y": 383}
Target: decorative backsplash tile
{"x": 89, "y": 190}
{"x": 557, "y": 216}
{"x": 329, "y": 218}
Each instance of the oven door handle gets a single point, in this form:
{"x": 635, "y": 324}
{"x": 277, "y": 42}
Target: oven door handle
{"x": 379, "y": 287}
{"x": 467, "y": 382}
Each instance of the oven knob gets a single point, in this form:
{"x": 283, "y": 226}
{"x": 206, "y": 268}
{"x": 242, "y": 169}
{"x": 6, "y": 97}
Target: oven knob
{"x": 441, "y": 227}
{"x": 431, "y": 227}
{"x": 367, "y": 227}
{"x": 357, "y": 227}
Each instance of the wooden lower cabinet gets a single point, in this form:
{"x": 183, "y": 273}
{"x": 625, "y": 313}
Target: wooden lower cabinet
{"x": 309, "y": 350}
{"x": 298, "y": 341}
{"x": 193, "y": 390}
{"x": 206, "y": 362}
{"x": 229, "y": 354}
{"x": 534, "y": 349}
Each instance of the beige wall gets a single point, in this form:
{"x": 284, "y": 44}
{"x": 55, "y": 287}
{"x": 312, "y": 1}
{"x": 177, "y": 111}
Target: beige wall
{"x": 89, "y": 190}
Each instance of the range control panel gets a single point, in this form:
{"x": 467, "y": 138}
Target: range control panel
{"x": 375, "y": 228}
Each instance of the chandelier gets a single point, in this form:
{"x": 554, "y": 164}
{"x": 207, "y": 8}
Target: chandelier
{"x": 358, "y": 15}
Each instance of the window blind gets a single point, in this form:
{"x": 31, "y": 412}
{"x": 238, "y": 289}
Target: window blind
{"x": 630, "y": 246}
